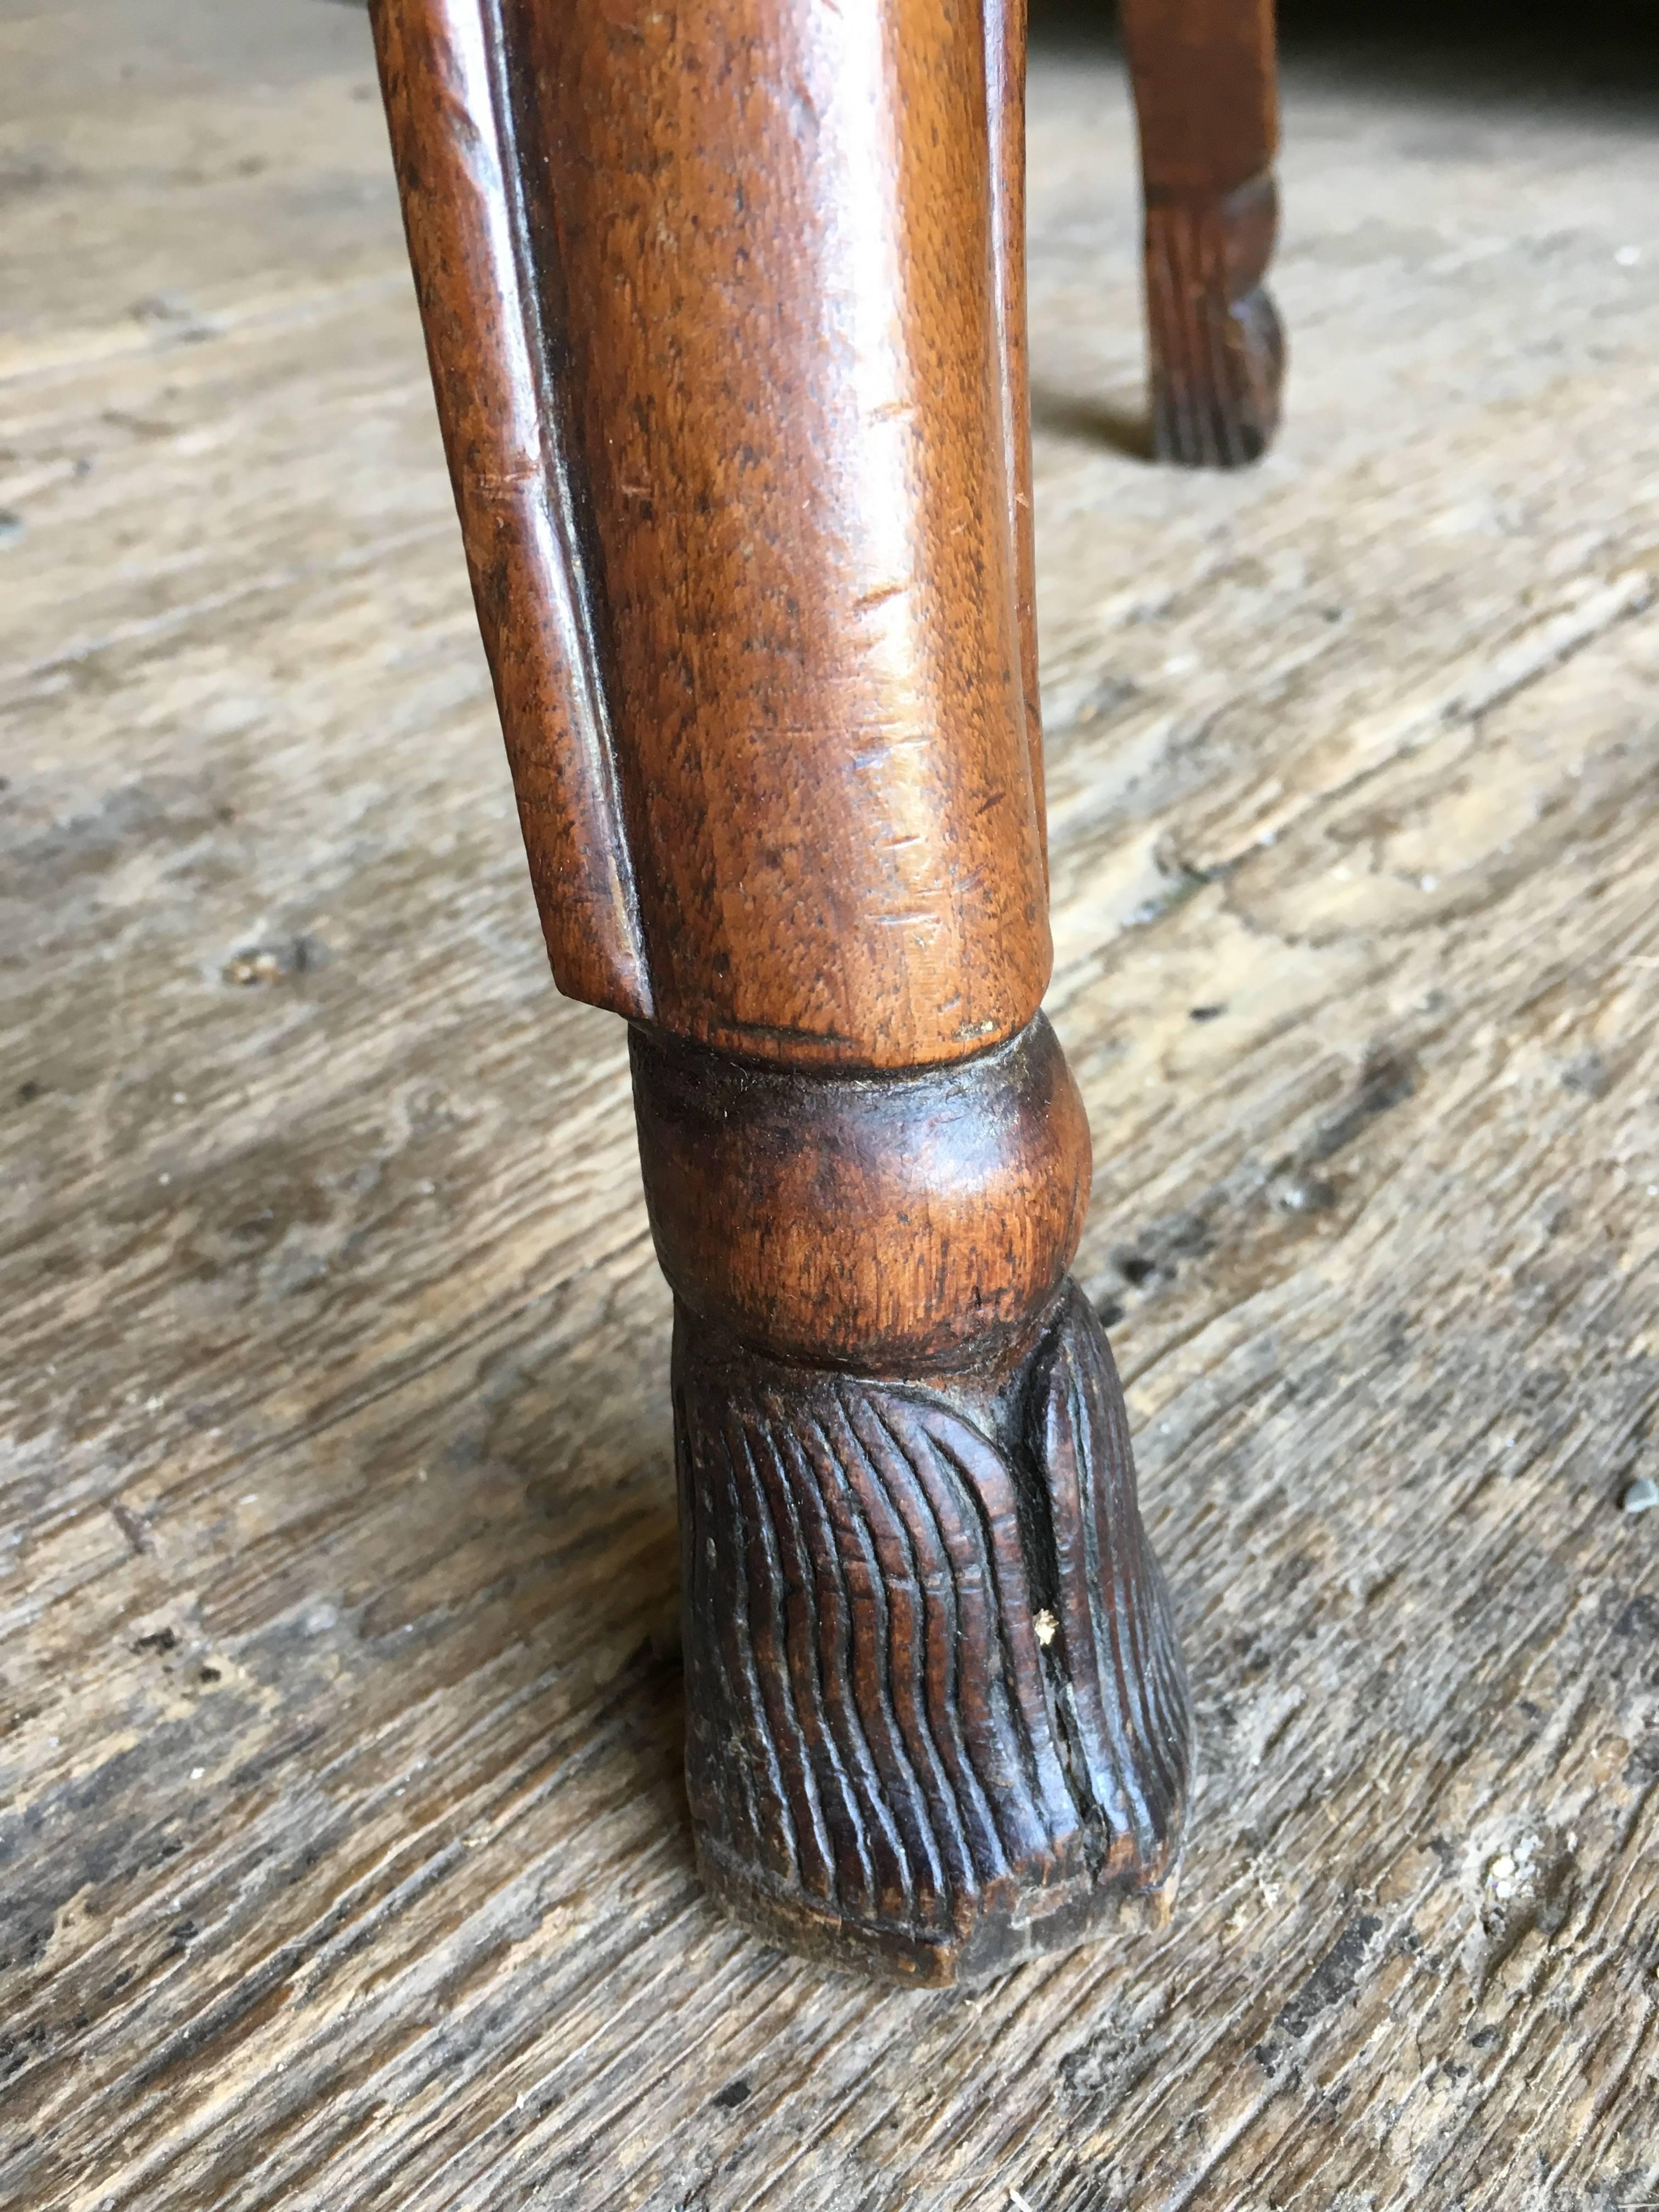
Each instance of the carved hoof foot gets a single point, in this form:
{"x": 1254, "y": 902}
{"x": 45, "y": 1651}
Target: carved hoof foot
{"x": 937, "y": 1719}
{"x": 1217, "y": 347}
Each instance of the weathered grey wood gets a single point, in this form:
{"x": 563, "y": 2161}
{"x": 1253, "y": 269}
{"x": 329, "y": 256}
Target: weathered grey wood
{"x": 345, "y": 1851}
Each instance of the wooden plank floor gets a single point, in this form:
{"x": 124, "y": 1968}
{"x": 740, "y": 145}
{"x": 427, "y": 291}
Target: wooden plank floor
{"x": 343, "y": 1857}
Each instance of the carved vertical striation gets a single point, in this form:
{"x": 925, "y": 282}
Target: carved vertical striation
{"x": 1206, "y": 99}
{"x": 898, "y": 1750}
{"x": 1218, "y": 348}
{"x": 1125, "y": 1690}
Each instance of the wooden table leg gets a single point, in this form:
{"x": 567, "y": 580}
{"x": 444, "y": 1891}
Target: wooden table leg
{"x": 1206, "y": 99}
{"x": 725, "y": 310}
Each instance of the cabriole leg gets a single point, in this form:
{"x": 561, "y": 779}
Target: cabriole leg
{"x": 724, "y": 309}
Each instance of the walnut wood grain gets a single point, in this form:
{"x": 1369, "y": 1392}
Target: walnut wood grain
{"x": 897, "y": 1224}
{"x": 346, "y": 1860}
{"x": 1206, "y": 92}
{"x": 778, "y": 388}
{"x": 746, "y": 287}
{"x": 485, "y": 293}
{"x": 1005, "y": 80}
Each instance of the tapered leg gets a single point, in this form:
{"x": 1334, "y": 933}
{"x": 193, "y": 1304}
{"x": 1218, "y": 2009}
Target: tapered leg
{"x": 1206, "y": 99}
{"x": 725, "y": 308}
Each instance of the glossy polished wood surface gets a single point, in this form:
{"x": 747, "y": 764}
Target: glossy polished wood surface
{"x": 499, "y": 404}
{"x": 1005, "y": 77}
{"x": 780, "y": 425}
{"x": 726, "y": 311}
{"x": 895, "y": 1224}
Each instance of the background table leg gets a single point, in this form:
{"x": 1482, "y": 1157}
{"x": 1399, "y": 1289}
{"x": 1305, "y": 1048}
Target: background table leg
{"x": 1206, "y": 99}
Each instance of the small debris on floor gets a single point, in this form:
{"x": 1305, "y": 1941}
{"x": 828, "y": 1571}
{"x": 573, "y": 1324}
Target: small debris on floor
{"x": 1642, "y": 1496}
{"x": 1302, "y": 1193}
{"x": 270, "y": 963}
{"x": 253, "y": 967}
